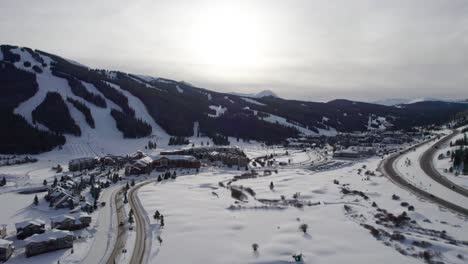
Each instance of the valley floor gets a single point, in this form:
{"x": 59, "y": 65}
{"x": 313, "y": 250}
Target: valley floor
{"x": 204, "y": 224}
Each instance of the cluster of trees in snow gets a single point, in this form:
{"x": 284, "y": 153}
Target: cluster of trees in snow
{"x": 220, "y": 140}
{"x": 84, "y": 110}
{"x": 80, "y": 90}
{"x": 130, "y": 126}
{"x": 8, "y": 55}
{"x": 54, "y": 114}
{"x": 178, "y": 141}
{"x": 459, "y": 158}
{"x": 18, "y": 136}
{"x": 151, "y": 145}
{"x": 246, "y": 126}
{"x": 3, "y": 182}
{"x": 460, "y": 142}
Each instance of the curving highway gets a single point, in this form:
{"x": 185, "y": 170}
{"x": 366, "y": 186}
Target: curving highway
{"x": 119, "y": 243}
{"x": 388, "y": 169}
{"x": 138, "y": 255}
{"x": 141, "y": 241}
{"x": 427, "y": 164}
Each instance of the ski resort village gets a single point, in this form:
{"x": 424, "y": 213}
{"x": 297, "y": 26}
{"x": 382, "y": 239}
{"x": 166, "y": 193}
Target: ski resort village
{"x": 103, "y": 166}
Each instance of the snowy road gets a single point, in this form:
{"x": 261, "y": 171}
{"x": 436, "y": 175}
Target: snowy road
{"x": 143, "y": 238}
{"x": 427, "y": 164}
{"x": 388, "y": 168}
{"x": 107, "y": 226}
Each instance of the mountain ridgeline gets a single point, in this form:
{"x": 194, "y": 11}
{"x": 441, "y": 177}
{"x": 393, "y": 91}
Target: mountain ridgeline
{"x": 40, "y": 91}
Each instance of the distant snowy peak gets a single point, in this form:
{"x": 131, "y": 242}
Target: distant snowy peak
{"x": 391, "y": 102}
{"x": 264, "y": 93}
{"x": 399, "y": 101}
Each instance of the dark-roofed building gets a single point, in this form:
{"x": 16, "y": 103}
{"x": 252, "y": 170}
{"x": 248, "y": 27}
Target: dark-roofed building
{"x": 70, "y": 222}
{"x": 230, "y": 156}
{"x": 143, "y": 165}
{"x": 6, "y": 249}
{"x": 82, "y": 164}
{"x": 28, "y": 228}
{"x": 49, "y": 241}
{"x": 175, "y": 161}
{"x": 3, "y": 232}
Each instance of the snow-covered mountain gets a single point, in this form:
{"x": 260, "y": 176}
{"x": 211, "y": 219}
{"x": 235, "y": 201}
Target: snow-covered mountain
{"x": 48, "y": 101}
{"x": 264, "y": 93}
{"x": 399, "y": 101}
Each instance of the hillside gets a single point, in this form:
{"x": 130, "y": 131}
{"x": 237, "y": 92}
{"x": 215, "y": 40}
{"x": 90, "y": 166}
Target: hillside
{"x": 50, "y": 100}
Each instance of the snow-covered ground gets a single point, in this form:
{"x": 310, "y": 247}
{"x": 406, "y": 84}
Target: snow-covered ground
{"x": 303, "y": 130}
{"x": 204, "y": 224}
{"x": 91, "y": 248}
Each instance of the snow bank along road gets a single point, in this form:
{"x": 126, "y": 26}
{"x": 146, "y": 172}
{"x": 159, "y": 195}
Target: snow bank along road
{"x": 427, "y": 164}
{"x": 142, "y": 240}
{"x": 119, "y": 243}
{"x": 107, "y": 225}
{"x": 388, "y": 169}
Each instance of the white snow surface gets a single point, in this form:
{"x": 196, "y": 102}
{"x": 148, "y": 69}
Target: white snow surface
{"x": 220, "y": 110}
{"x": 200, "y": 223}
{"x": 305, "y": 131}
{"x": 252, "y": 101}
{"x": 261, "y": 94}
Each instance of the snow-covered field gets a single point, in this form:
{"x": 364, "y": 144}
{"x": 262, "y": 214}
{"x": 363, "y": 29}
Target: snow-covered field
{"x": 204, "y": 224}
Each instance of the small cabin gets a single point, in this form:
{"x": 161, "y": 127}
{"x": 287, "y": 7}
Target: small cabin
{"x": 6, "y": 249}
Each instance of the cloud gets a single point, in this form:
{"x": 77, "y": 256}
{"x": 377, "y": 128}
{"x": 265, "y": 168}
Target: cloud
{"x": 317, "y": 50}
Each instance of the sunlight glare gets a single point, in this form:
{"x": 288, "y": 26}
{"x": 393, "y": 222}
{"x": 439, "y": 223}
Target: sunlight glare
{"x": 227, "y": 37}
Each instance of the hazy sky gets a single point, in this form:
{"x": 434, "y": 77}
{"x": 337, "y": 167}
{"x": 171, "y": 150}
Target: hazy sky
{"x": 302, "y": 49}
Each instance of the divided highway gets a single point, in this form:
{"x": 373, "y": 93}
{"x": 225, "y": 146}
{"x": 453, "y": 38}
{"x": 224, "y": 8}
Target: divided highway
{"x": 387, "y": 168}
{"x": 138, "y": 255}
{"x": 141, "y": 241}
{"x": 427, "y": 164}
{"x": 119, "y": 243}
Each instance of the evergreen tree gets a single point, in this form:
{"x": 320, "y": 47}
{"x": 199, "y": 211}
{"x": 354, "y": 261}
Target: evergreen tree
{"x": 130, "y": 218}
{"x": 125, "y": 201}
{"x": 55, "y": 182}
{"x": 157, "y": 215}
{"x": 133, "y": 182}
{"x": 44, "y": 183}
{"x": 71, "y": 205}
{"x": 36, "y": 201}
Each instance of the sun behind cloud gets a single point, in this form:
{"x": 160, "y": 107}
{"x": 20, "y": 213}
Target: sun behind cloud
{"x": 228, "y": 37}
